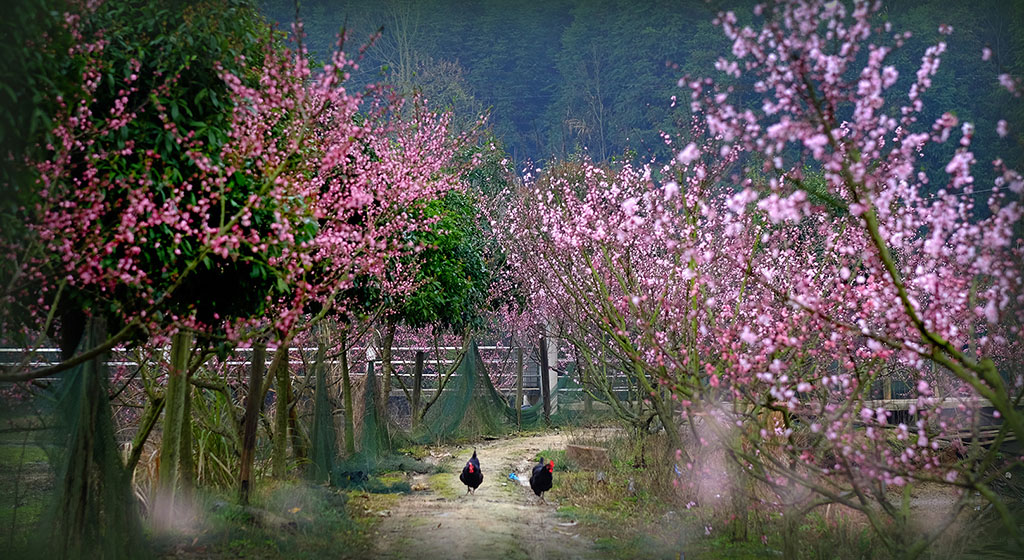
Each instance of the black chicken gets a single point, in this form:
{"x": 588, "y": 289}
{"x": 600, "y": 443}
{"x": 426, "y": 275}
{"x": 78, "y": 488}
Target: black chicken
{"x": 471, "y": 475}
{"x": 541, "y": 478}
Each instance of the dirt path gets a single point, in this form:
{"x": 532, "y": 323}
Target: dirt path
{"x": 501, "y": 520}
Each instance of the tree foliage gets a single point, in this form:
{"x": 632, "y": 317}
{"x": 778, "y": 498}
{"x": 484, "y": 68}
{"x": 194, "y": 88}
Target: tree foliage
{"x": 567, "y": 76}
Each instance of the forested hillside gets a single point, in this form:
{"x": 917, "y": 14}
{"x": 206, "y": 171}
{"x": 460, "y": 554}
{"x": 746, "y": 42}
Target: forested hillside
{"x": 561, "y": 77}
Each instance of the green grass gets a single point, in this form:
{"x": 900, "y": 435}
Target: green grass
{"x": 28, "y": 514}
{"x": 721, "y": 547}
{"x": 11, "y": 455}
{"x": 650, "y": 518}
{"x": 562, "y": 463}
{"x": 418, "y": 452}
{"x": 392, "y": 477}
{"x": 441, "y": 484}
{"x": 580, "y": 514}
{"x": 366, "y": 504}
{"x": 25, "y": 482}
{"x": 624, "y": 548}
{"x": 307, "y": 522}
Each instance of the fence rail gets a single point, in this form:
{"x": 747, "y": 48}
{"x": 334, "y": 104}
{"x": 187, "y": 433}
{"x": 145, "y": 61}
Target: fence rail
{"x": 44, "y": 357}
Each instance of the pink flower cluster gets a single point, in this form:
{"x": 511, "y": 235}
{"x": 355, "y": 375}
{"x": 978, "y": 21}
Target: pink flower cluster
{"x": 783, "y": 304}
{"x": 317, "y": 183}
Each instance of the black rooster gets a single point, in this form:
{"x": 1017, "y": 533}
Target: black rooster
{"x": 541, "y": 478}
{"x": 471, "y": 475}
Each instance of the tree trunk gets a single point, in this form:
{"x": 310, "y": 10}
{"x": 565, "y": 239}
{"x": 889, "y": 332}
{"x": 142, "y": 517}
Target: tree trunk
{"x": 150, "y": 415}
{"x": 790, "y": 534}
{"x": 187, "y": 467}
{"x": 174, "y": 440}
{"x": 346, "y": 387}
{"x": 417, "y": 388}
{"x": 666, "y": 414}
{"x": 375, "y": 440}
{"x": 584, "y": 377}
{"x": 300, "y": 441}
{"x": 738, "y": 487}
{"x": 279, "y": 456}
{"x": 545, "y": 388}
{"x": 324, "y": 437}
{"x": 387, "y": 341}
{"x": 519, "y": 388}
{"x": 95, "y": 515}
{"x": 253, "y": 404}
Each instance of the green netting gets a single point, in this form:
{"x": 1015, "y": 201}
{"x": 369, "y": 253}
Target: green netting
{"x": 470, "y": 407}
{"x": 93, "y": 513}
{"x": 323, "y": 441}
{"x": 572, "y": 407}
{"x": 376, "y": 451}
{"x": 376, "y": 437}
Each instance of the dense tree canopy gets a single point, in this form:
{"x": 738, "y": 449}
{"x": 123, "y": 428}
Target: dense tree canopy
{"x": 108, "y": 212}
{"x": 570, "y": 76}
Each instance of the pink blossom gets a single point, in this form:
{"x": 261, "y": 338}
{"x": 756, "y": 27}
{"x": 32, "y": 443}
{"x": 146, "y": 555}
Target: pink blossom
{"x": 748, "y": 336}
{"x": 1008, "y": 82}
{"x": 671, "y": 190}
{"x": 629, "y": 206}
{"x": 688, "y": 154}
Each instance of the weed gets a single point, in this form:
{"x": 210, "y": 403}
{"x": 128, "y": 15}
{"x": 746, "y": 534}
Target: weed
{"x": 392, "y": 477}
{"x": 575, "y": 513}
{"x": 287, "y": 519}
{"x": 441, "y": 484}
{"x": 26, "y": 479}
{"x": 418, "y": 452}
{"x": 364, "y": 504}
{"x": 562, "y": 463}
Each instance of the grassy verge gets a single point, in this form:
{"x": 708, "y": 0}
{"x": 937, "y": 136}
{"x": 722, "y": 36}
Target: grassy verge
{"x": 630, "y": 505}
{"x": 26, "y": 480}
{"x": 286, "y": 519}
{"x": 562, "y": 464}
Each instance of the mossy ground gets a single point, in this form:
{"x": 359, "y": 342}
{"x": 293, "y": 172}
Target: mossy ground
{"x": 26, "y": 479}
{"x": 290, "y": 519}
{"x": 627, "y": 507}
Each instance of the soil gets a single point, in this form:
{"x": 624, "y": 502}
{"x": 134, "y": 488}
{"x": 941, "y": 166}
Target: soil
{"x": 502, "y": 519}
